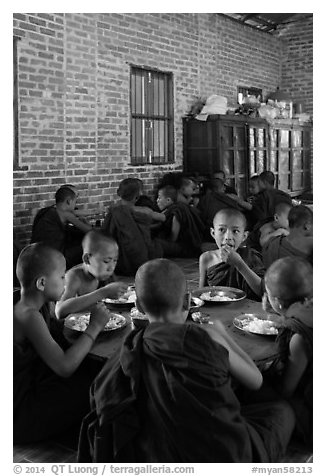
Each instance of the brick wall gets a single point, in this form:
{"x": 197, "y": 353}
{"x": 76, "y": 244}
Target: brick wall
{"x": 297, "y": 62}
{"x": 73, "y": 80}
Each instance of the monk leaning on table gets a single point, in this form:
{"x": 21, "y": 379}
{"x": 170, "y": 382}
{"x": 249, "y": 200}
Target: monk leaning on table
{"x": 166, "y": 396}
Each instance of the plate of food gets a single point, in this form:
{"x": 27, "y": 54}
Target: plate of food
{"x": 79, "y": 321}
{"x": 127, "y": 299}
{"x": 219, "y": 294}
{"x": 138, "y": 318}
{"x": 256, "y": 325}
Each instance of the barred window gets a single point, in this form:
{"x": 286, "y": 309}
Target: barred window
{"x": 151, "y": 100}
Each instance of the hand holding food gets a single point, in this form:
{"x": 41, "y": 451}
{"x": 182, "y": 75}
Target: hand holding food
{"x": 229, "y": 255}
{"x": 99, "y": 316}
{"x": 114, "y": 290}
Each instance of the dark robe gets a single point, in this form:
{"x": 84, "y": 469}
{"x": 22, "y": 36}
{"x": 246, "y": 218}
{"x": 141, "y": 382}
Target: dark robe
{"x": 230, "y": 189}
{"x": 253, "y": 240}
{"x": 168, "y": 398}
{"x": 264, "y": 203}
{"x": 49, "y": 229}
{"x": 146, "y": 201}
{"x": 44, "y": 404}
{"x": 299, "y": 320}
{"x": 279, "y": 247}
{"x": 132, "y": 232}
{"x": 191, "y": 231}
{"x": 223, "y": 274}
{"x": 210, "y": 204}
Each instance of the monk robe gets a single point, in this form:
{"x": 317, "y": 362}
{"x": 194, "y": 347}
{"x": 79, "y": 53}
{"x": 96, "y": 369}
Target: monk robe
{"x": 44, "y": 404}
{"x": 264, "y": 203}
{"x": 279, "y": 247}
{"x": 131, "y": 230}
{"x": 49, "y": 229}
{"x": 190, "y": 234}
{"x": 299, "y": 320}
{"x": 223, "y": 274}
{"x": 167, "y": 397}
{"x": 210, "y": 204}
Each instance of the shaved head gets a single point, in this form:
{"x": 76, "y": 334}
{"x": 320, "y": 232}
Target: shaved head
{"x": 95, "y": 240}
{"x": 299, "y": 216}
{"x": 160, "y": 287}
{"x": 34, "y": 261}
{"x": 290, "y": 279}
{"x": 282, "y": 207}
{"x": 230, "y": 213}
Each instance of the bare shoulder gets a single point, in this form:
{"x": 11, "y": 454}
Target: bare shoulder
{"x": 208, "y": 257}
{"x": 297, "y": 347}
{"x": 267, "y": 228}
{"x": 76, "y": 272}
{"x": 23, "y": 314}
{"x": 80, "y": 281}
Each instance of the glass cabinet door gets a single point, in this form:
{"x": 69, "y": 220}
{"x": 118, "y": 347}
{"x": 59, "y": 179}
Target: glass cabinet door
{"x": 258, "y": 148}
{"x": 233, "y": 155}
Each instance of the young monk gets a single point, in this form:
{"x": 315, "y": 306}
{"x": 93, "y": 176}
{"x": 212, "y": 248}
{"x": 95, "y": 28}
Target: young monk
{"x": 262, "y": 207}
{"x": 214, "y": 200}
{"x": 168, "y": 390}
{"x": 130, "y": 225}
{"x": 181, "y": 233}
{"x": 50, "y": 225}
{"x": 51, "y": 385}
{"x": 145, "y": 200}
{"x": 299, "y": 241}
{"x": 231, "y": 264}
{"x": 93, "y": 280}
{"x": 186, "y": 189}
{"x": 220, "y": 174}
{"x": 279, "y": 226}
{"x": 289, "y": 286}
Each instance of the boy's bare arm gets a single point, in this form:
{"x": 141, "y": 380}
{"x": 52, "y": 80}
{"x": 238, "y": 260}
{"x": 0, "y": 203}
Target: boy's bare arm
{"x": 62, "y": 363}
{"x": 80, "y": 212}
{"x": 233, "y": 258}
{"x": 242, "y": 367}
{"x": 72, "y": 218}
{"x": 267, "y": 235}
{"x": 71, "y": 302}
{"x": 155, "y": 216}
{"x": 175, "y": 230}
{"x": 203, "y": 260}
{"x": 242, "y": 203}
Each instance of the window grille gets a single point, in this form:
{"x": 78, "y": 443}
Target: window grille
{"x": 151, "y": 103}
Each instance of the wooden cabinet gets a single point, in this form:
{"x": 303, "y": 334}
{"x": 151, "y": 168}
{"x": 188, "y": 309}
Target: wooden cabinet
{"x": 290, "y": 157}
{"x": 243, "y": 146}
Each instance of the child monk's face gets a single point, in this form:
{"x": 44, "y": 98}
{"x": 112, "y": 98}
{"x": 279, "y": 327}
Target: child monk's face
{"x": 102, "y": 263}
{"x": 188, "y": 189}
{"x": 254, "y": 187}
{"x": 162, "y": 201}
{"x": 228, "y": 230}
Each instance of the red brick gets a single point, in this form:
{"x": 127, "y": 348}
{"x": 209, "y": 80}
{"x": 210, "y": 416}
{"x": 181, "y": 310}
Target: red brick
{"x": 80, "y": 132}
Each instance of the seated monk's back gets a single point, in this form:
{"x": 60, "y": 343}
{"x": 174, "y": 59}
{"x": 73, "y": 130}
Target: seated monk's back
{"x": 131, "y": 231}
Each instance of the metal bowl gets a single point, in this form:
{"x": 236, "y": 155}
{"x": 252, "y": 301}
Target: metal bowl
{"x": 219, "y": 294}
